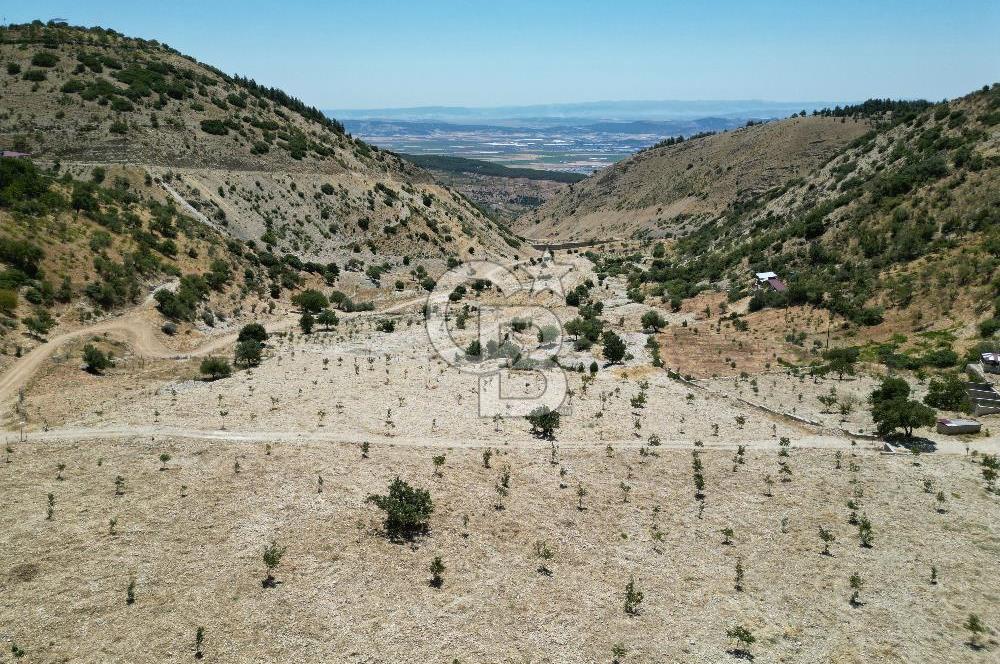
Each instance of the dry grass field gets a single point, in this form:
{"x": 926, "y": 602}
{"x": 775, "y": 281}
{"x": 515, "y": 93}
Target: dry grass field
{"x": 191, "y": 537}
{"x": 246, "y": 455}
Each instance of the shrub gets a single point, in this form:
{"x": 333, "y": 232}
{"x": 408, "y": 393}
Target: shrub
{"x": 8, "y": 301}
{"x": 36, "y": 75}
{"x": 20, "y": 254}
{"x": 216, "y": 127}
{"x": 989, "y": 327}
{"x": 13, "y": 68}
{"x": 95, "y": 361}
{"x": 407, "y": 510}
{"x": 44, "y": 59}
{"x": 544, "y": 422}
{"x": 215, "y": 368}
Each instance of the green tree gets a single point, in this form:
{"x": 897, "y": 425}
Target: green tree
{"x": 652, "y": 320}
{"x": 327, "y": 319}
{"x": 407, "y": 510}
{"x": 306, "y": 323}
{"x": 614, "y": 347}
{"x": 976, "y": 629}
{"x": 437, "y": 569}
{"x": 743, "y": 638}
{"x": 841, "y": 361}
{"x": 899, "y": 413}
{"x": 633, "y": 597}
{"x": 311, "y": 301}
{"x": 253, "y": 332}
{"x": 544, "y": 422}
{"x": 247, "y": 353}
{"x": 273, "y": 553}
{"x": 948, "y": 393}
{"x": 891, "y": 388}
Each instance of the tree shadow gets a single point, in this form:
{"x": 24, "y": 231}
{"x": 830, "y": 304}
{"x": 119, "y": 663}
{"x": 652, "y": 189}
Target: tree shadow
{"x": 913, "y": 443}
{"x": 740, "y": 653}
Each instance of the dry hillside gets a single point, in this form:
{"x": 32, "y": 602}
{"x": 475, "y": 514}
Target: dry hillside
{"x": 666, "y": 189}
{"x": 263, "y": 164}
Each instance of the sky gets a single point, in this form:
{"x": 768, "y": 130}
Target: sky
{"x": 387, "y": 53}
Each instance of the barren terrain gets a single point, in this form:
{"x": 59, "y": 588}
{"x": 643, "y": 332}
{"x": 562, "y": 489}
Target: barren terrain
{"x": 247, "y": 454}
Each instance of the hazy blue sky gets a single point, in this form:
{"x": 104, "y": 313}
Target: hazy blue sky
{"x": 379, "y": 53}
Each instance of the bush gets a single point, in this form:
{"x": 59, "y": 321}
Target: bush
{"x": 215, "y": 127}
{"x": 544, "y": 422}
{"x": 44, "y": 59}
{"x": 36, "y": 75}
{"x": 20, "y": 254}
{"x": 407, "y": 510}
{"x": 94, "y": 360}
{"x": 40, "y": 322}
{"x": 8, "y": 302}
{"x": 13, "y": 68}
{"x": 989, "y": 327}
{"x": 215, "y": 368}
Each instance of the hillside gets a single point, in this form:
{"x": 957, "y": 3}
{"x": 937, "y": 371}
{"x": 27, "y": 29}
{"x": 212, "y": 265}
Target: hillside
{"x": 257, "y": 163}
{"x": 674, "y": 186}
{"x": 899, "y": 231}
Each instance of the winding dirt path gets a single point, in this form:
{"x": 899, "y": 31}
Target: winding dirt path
{"x": 139, "y": 333}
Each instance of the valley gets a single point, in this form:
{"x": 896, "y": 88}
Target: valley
{"x": 271, "y": 393}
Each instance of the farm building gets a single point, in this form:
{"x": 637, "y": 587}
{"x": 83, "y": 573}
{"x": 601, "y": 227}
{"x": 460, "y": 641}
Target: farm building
{"x": 955, "y": 427}
{"x": 769, "y": 280}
